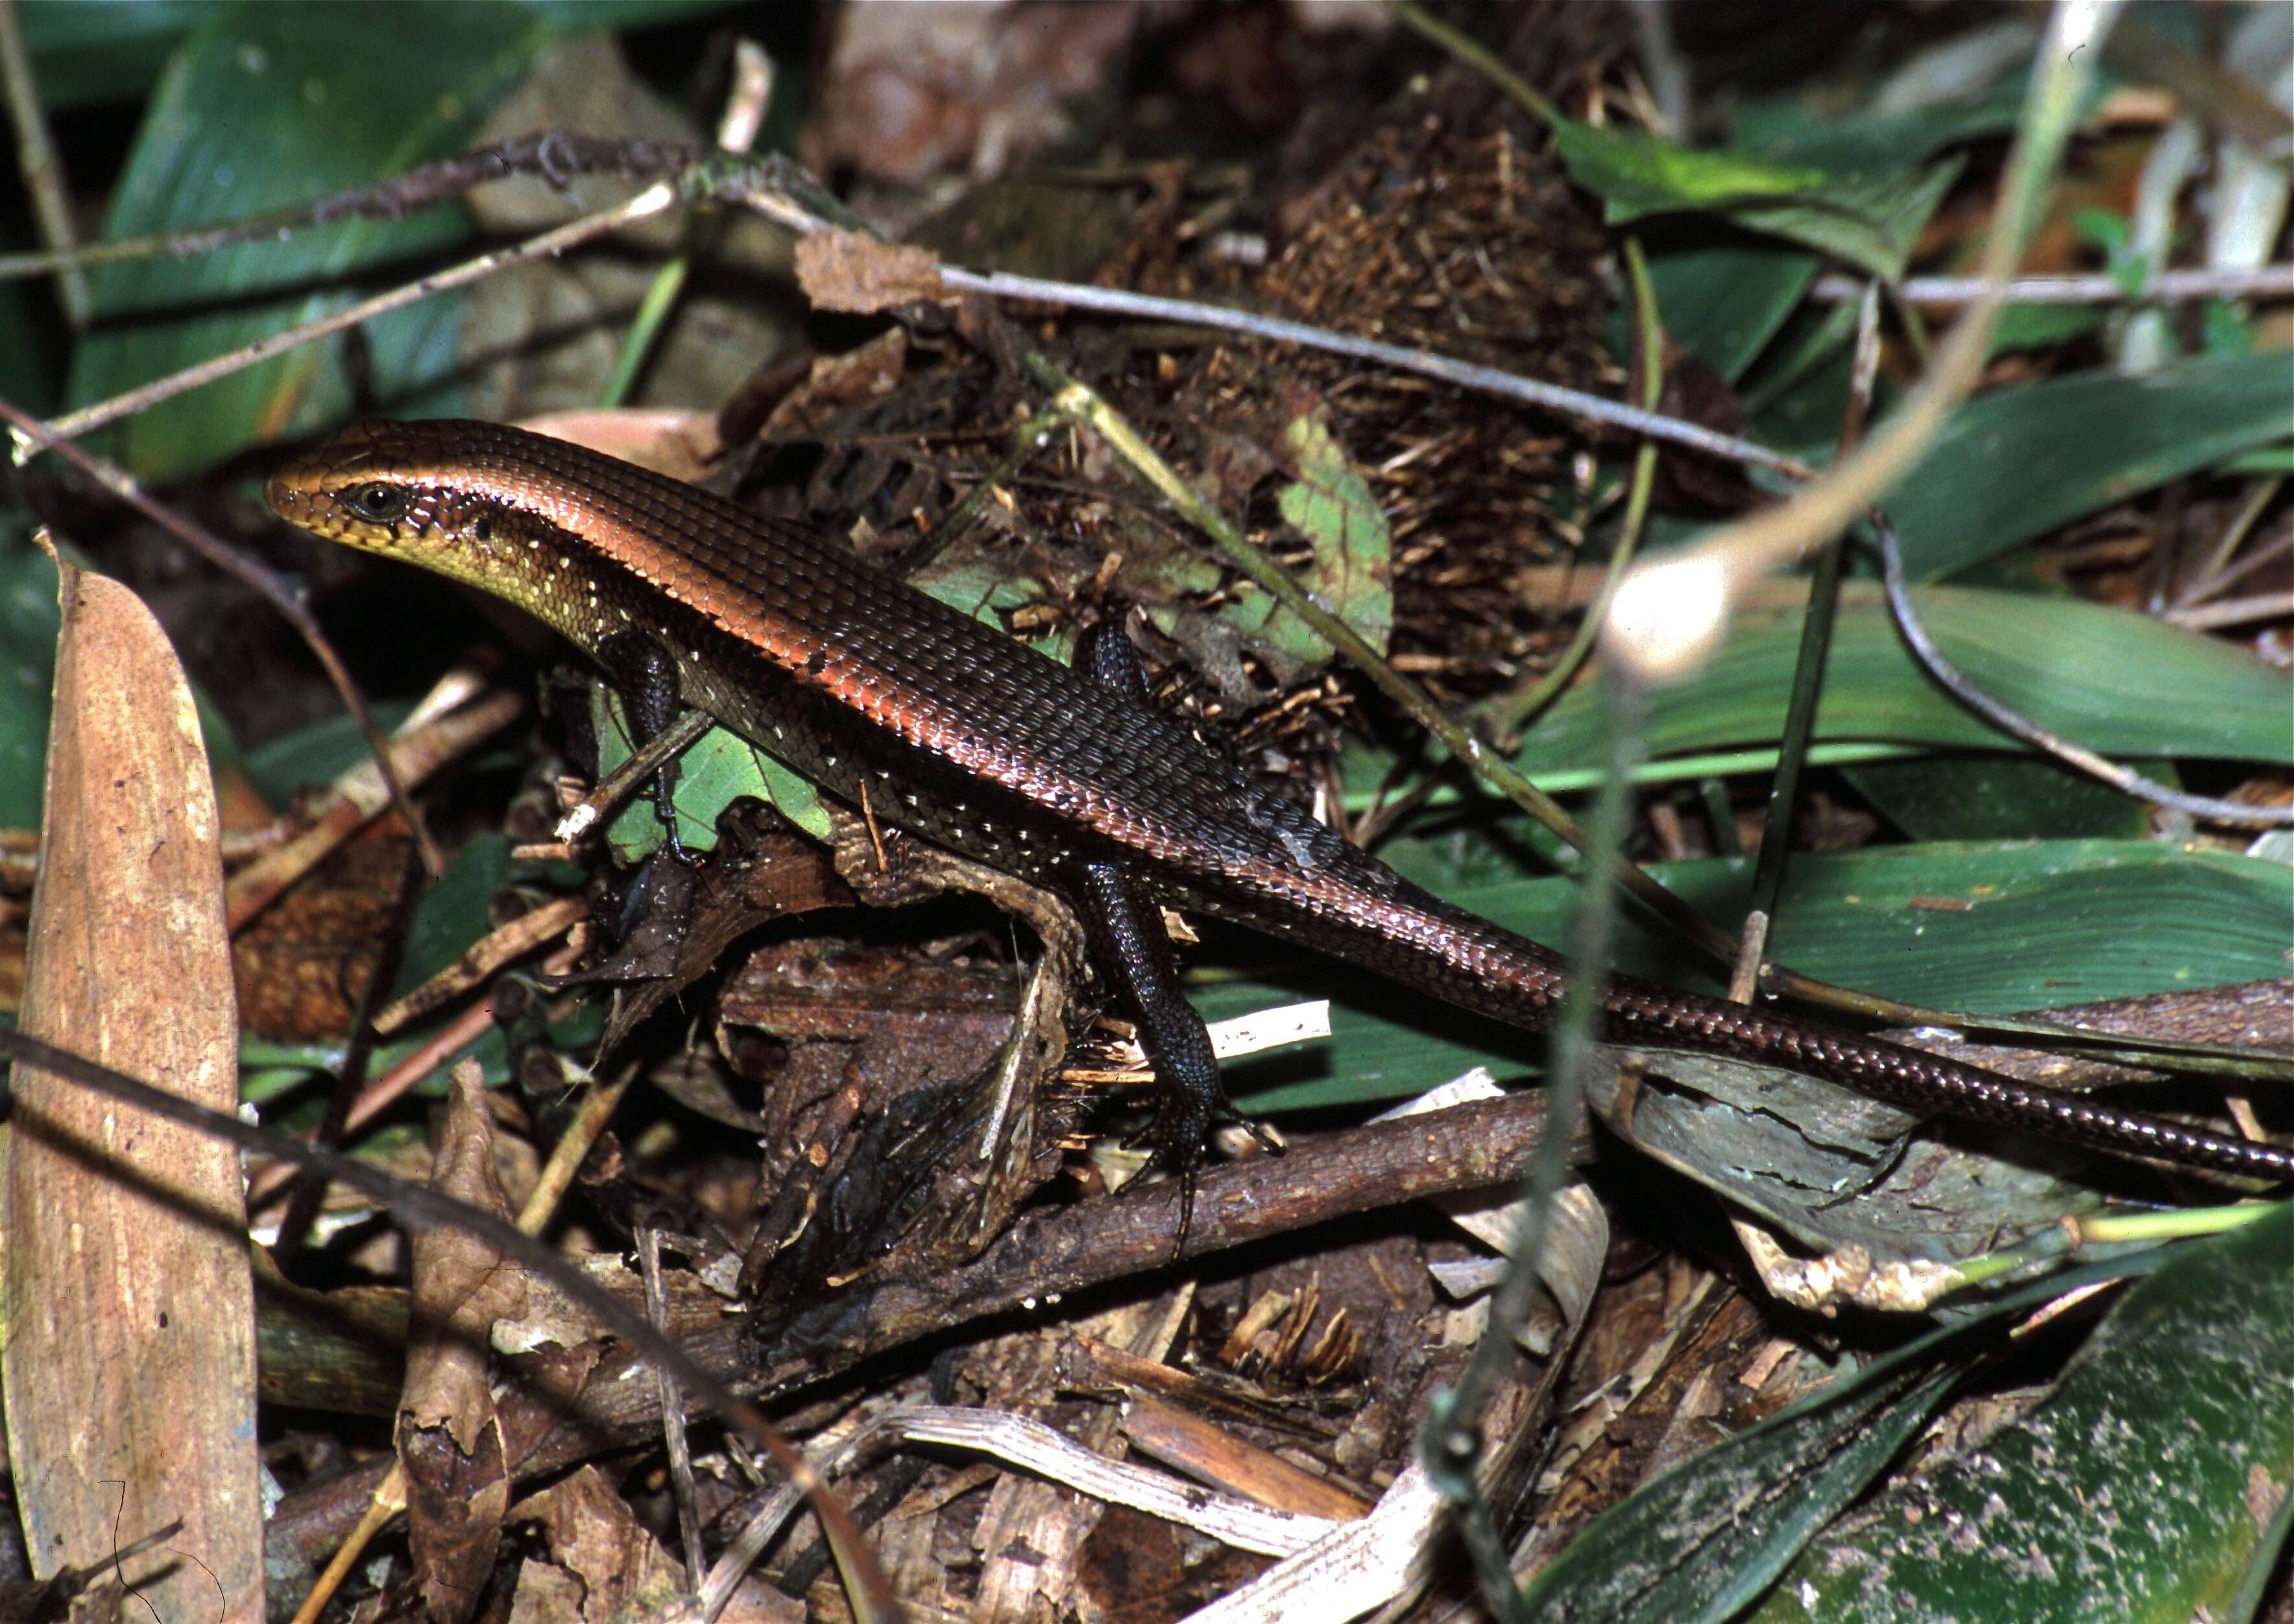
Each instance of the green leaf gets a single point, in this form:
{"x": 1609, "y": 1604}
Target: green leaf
{"x": 29, "y": 622}
{"x": 453, "y": 912}
{"x": 717, "y": 769}
{"x": 1722, "y": 294}
{"x": 980, "y": 581}
{"x": 2276, "y": 459}
{"x": 316, "y": 754}
{"x": 2019, "y": 462}
{"x": 108, "y": 52}
{"x": 1333, "y": 509}
{"x": 1702, "y": 1540}
{"x": 1638, "y": 174}
{"x": 2042, "y": 327}
{"x": 1784, "y": 130}
{"x": 2225, "y": 330}
{"x": 1995, "y": 798}
{"x": 1351, "y": 571}
{"x": 1870, "y": 221}
{"x": 1706, "y": 1538}
{"x": 84, "y": 51}
{"x": 2105, "y": 228}
{"x": 2136, "y": 1490}
{"x": 263, "y": 106}
{"x": 1993, "y": 929}
{"x": 2116, "y": 681}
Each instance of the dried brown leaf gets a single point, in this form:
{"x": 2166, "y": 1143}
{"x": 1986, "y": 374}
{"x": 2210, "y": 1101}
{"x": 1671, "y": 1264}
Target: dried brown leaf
{"x": 835, "y": 382}
{"x": 623, "y": 1570}
{"x": 846, "y": 270}
{"x": 129, "y": 1363}
{"x": 450, "y": 1439}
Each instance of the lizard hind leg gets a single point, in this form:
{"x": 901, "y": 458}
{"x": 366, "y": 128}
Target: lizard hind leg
{"x": 1132, "y": 951}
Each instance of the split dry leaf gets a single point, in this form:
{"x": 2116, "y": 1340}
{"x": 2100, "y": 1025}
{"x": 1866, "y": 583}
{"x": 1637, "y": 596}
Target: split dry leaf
{"x": 846, "y": 270}
{"x": 450, "y": 1436}
{"x": 129, "y": 1363}
{"x": 622, "y": 1571}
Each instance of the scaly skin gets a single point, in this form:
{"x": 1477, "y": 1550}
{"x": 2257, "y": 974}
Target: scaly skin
{"x": 986, "y": 746}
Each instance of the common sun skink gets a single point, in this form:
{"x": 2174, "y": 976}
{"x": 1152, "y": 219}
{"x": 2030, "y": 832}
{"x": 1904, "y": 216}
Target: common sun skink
{"x": 1064, "y": 776}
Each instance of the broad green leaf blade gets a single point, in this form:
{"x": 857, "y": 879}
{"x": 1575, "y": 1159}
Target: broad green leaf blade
{"x": 981, "y": 583}
{"x": 1997, "y": 798}
{"x": 82, "y": 53}
{"x": 1722, "y": 294}
{"x": 716, "y": 769}
{"x": 2116, "y": 681}
{"x": 1868, "y": 220}
{"x": 1636, "y": 173}
{"x": 2138, "y": 1489}
{"x": 1702, "y": 1540}
{"x": 28, "y": 623}
{"x": 453, "y": 912}
{"x": 1786, "y": 132}
{"x": 1708, "y": 1537}
{"x": 1331, "y": 506}
{"x": 316, "y": 754}
{"x": 2019, "y": 462}
{"x": 1989, "y": 929}
{"x": 264, "y": 106}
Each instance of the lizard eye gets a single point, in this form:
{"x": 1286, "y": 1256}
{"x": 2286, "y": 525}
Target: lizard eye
{"x": 377, "y": 503}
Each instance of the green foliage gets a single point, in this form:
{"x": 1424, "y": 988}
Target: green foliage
{"x": 1993, "y": 928}
{"x": 2138, "y": 1488}
{"x": 2118, "y": 681}
{"x": 268, "y": 105}
{"x": 1870, "y": 221}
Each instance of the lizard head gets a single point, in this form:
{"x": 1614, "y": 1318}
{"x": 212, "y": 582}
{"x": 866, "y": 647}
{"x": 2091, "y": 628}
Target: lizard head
{"x": 387, "y": 488}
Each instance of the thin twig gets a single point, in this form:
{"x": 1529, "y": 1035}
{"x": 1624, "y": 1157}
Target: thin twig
{"x": 36, "y": 161}
{"x": 736, "y": 133}
{"x": 1465, "y": 375}
{"x": 556, "y": 156}
{"x": 1517, "y": 712}
{"x": 420, "y": 1208}
{"x": 2232, "y": 611}
{"x": 672, "y": 1413}
{"x": 1817, "y": 624}
{"x": 286, "y": 599}
{"x": 1475, "y": 57}
{"x": 1450, "y": 1441}
{"x": 1027, "y": 440}
{"x": 2167, "y": 287}
{"x": 652, "y": 200}
{"x": 2077, "y": 755}
{"x": 2221, "y": 573}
